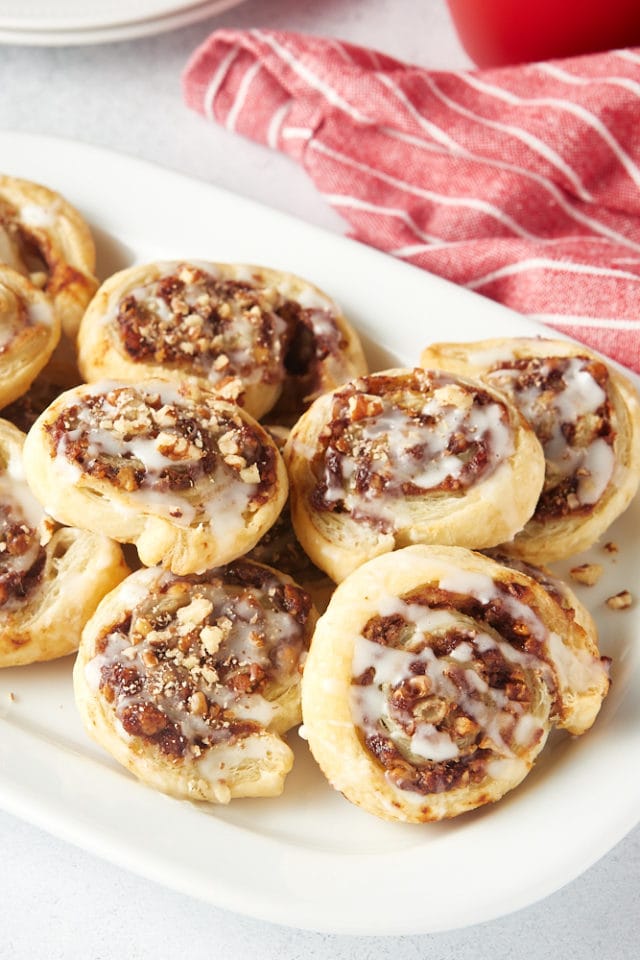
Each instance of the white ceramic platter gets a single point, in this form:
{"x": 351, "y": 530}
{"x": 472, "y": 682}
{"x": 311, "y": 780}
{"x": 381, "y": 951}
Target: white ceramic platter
{"x": 79, "y": 22}
{"x": 309, "y": 859}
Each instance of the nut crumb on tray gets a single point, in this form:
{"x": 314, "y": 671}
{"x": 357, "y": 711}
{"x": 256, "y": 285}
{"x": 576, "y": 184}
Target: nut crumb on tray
{"x": 620, "y": 601}
{"x": 587, "y": 573}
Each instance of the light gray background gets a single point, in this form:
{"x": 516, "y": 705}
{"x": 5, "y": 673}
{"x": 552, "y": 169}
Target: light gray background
{"x": 56, "y": 901}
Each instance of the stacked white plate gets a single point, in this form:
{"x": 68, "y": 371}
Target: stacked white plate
{"x": 42, "y": 23}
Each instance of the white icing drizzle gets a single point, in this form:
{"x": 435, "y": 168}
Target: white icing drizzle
{"x": 548, "y": 410}
{"x": 239, "y": 339}
{"x": 218, "y": 763}
{"x": 18, "y": 508}
{"x": 13, "y": 486}
{"x": 402, "y": 450}
{"x": 40, "y": 313}
{"x": 510, "y": 726}
{"x": 35, "y": 215}
{"x": 575, "y": 669}
{"x": 310, "y": 299}
{"x": 228, "y": 626}
{"x": 18, "y": 312}
{"x": 221, "y": 493}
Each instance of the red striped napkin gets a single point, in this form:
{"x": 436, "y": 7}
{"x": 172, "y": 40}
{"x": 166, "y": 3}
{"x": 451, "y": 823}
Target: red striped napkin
{"x": 522, "y": 183}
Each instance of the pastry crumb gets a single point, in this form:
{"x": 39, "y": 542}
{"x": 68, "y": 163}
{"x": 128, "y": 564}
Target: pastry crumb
{"x": 610, "y": 547}
{"x": 587, "y": 573}
{"x": 12, "y": 697}
{"x": 620, "y": 601}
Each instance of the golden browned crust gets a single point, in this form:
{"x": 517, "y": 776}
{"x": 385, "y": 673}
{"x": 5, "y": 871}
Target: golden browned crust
{"x": 401, "y": 457}
{"x": 189, "y": 479}
{"x": 29, "y": 332}
{"x": 46, "y": 238}
{"x": 434, "y": 678}
{"x": 190, "y": 682}
{"x": 587, "y": 417}
{"x": 51, "y": 579}
{"x": 252, "y": 334}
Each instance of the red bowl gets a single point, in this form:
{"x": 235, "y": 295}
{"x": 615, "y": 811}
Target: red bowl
{"x": 499, "y": 32}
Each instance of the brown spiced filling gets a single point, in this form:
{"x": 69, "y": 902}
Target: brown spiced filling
{"x": 416, "y": 699}
{"x": 224, "y": 328}
{"x": 280, "y": 548}
{"x": 22, "y": 558}
{"x": 180, "y": 671}
{"x": 383, "y": 435}
{"x": 536, "y": 386}
{"x": 24, "y": 411}
{"x": 195, "y": 440}
{"x": 31, "y": 256}
{"x": 228, "y": 329}
{"x": 312, "y": 338}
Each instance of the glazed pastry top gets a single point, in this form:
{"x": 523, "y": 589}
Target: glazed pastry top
{"x": 151, "y": 442}
{"x": 226, "y": 330}
{"x": 23, "y": 529}
{"x": 445, "y": 680}
{"x": 565, "y": 400}
{"x": 392, "y": 436}
{"x": 198, "y": 662}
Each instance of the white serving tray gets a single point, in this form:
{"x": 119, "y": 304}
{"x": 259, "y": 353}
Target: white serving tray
{"x": 309, "y": 859}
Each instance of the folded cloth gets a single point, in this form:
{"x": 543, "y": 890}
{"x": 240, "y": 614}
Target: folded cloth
{"x": 520, "y": 183}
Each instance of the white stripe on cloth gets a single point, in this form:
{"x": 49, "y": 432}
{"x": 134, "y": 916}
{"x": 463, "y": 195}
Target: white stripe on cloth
{"x": 472, "y": 203}
{"x": 569, "y": 240}
{"x": 275, "y": 124}
{"x": 340, "y": 50}
{"x": 519, "y": 133}
{"x": 553, "y": 70}
{"x": 241, "y": 95}
{"x": 559, "y": 266}
{"x": 331, "y": 95}
{"x": 297, "y": 133}
{"x": 560, "y": 104}
{"x": 355, "y": 203}
{"x": 434, "y": 131}
{"x": 415, "y": 249}
{"x": 558, "y": 195}
{"x": 569, "y": 320}
{"x": 375, "y": 59}
{"x": 627, "y": 55}
{"x": 216, "y": 81}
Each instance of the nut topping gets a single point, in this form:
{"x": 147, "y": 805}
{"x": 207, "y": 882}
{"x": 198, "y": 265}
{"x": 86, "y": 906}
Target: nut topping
{"x": 211, "y": 654}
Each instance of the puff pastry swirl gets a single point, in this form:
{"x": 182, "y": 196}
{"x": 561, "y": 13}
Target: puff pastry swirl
{"x": 29, "y": 332}
{"x": 408, "y": 456}
{"x": 250, "y": 333}
{"x": 587, "y": 418}
{"x": 190, "y": 479}
{"x": 434, "y": 678}
{"x": 51, "y": 580}
{"x": 190, "y": 682}
{"x": 45, "y": 238}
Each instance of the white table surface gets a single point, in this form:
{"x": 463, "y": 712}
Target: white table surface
{"x": 55, "y": 900}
